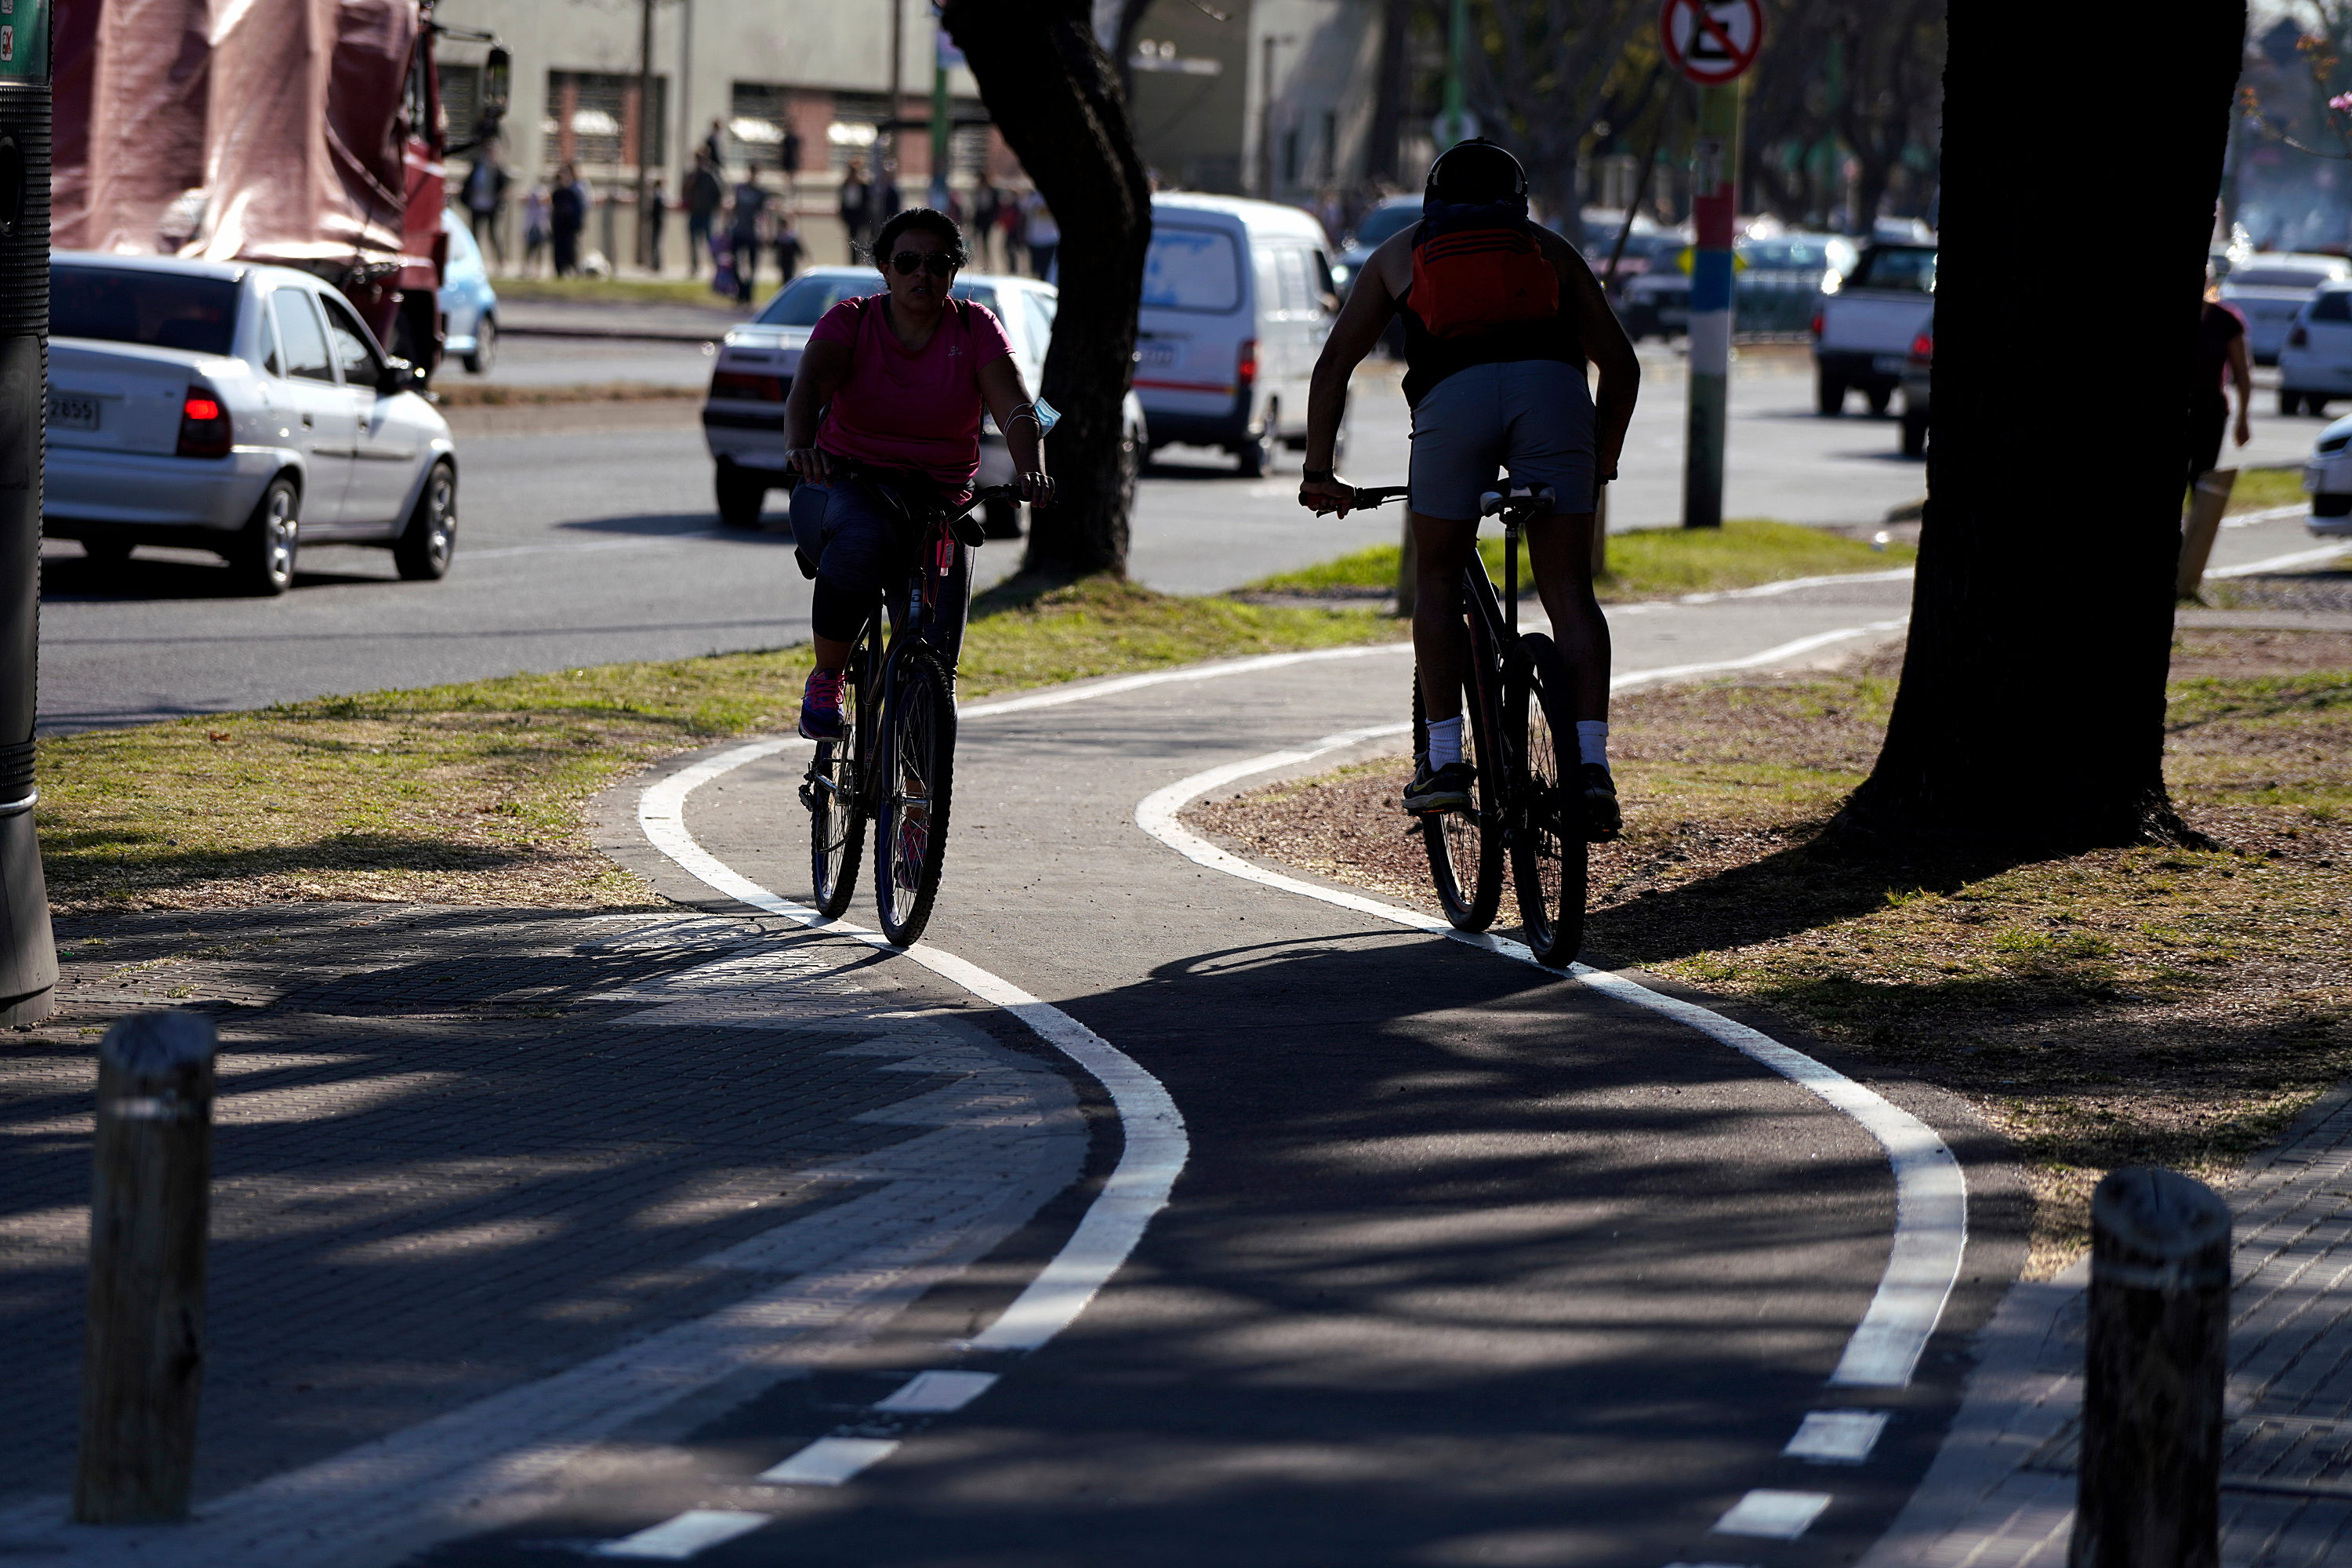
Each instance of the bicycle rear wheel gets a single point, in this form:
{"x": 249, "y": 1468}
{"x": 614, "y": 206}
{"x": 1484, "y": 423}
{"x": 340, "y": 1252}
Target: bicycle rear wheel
{"x": 1548, "y": 860}
{"x": 915, "y": 755}
{"x": 1465, "y": 852}
{"x": 834, "y": 792}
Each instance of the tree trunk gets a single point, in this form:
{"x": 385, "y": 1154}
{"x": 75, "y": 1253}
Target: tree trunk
{"x": 1054, "y": 96}
{"x": 2030, "y": 715}
{"x": 1392, "y": 92}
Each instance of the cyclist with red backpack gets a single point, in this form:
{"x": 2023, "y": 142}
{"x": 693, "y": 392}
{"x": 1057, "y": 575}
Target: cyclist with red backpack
{"x": 1501, "y": 318}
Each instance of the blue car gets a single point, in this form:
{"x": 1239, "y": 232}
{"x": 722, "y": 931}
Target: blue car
{"x": 468, "y": 304}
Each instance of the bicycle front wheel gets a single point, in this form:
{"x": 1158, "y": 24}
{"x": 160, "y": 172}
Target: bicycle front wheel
{"x": 915, "y": 755}
{"x": 834, "y": 791}
{"x": 1548, "y": 861}
{"x": 1465, "y": 852}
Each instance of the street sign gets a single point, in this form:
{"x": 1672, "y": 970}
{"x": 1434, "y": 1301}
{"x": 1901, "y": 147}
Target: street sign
{"x": 1711, "y": 41}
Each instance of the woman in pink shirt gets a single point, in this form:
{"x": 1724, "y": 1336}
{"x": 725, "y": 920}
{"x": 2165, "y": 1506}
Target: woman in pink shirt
{"x": 895, "y": 382}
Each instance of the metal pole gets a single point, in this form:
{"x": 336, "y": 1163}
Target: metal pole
{"x": 29, "y": 953}
{"x": 897, "y": 90}
{"x": 144, "y": 1358}
{"x": 1457, "y": 51}
{"x": 941, "y": 126}
{"x": 1265, "y": 119}
{"x": 645, "y": 128}
{"x": 1714, "y": 188}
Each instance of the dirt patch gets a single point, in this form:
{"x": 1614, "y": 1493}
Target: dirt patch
{"x": 2158, "y": 1005}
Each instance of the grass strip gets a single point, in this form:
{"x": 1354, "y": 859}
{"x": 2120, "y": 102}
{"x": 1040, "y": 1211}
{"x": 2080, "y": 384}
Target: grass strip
{"x": 472, "y": 793}
{"x": 2259, "y": 489}
{"x": 1643, "y": 563}
{"x": 2140, "y": 1006}
{"x": 452, "y": 393}
{"x": 619, "y": 290}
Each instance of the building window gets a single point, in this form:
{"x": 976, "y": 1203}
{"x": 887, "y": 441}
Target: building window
{"x": 461, "y": 100}
{"x": 858, "y": 119}
{"x": 758, "y": 116}
{"x": 592, "y": 121}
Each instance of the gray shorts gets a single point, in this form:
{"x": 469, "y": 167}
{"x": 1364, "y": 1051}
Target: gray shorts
{"x": 1532, "y": 418}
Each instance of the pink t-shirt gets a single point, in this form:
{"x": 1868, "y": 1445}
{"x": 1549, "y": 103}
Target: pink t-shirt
{"x": 910, "y": 410}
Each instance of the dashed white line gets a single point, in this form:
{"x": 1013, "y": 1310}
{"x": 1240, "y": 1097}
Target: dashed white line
{"x": 1836, "y": 1437}
{"x": 829, "y": 1462}
{"x": 2282, "y": 562}
{"x": 1774, "y": 1515}
{"x": 676, "y": 1539}
{"x": 936, "y": 1392}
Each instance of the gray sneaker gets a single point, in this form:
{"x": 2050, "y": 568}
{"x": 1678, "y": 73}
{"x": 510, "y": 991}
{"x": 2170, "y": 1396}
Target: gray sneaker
{"x": 1445, "y": 789}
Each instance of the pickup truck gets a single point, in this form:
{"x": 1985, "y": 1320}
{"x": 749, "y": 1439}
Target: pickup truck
{"x": 1867, "y": 325}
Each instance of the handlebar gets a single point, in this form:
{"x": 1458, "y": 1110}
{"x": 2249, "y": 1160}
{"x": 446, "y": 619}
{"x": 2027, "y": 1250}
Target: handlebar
{"x": 1365, "y": 500}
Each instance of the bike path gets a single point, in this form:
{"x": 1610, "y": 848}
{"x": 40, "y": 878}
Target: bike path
{"x": 1468, "y": 1263}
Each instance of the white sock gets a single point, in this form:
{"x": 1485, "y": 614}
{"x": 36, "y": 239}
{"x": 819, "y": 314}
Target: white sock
{"x": 1593, "y": 741}
{"x": 1445, "y": 741}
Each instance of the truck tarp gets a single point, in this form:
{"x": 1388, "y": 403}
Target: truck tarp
{"x": 260, "y": 129}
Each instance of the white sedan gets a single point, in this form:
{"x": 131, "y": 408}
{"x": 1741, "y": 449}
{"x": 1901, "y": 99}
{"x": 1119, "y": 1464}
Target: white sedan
{"x": 242, "y": 410}
{"x": 2328, "y": 476}
{"x": 2268, "y": 289}
{"x": 743, "y": 417}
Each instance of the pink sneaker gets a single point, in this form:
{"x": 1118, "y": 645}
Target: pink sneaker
{"x": 821, "y": 705}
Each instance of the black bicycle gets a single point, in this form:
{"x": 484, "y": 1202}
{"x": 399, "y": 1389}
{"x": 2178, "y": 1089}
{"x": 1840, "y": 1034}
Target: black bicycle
{"x": 1520, "y": 741}
{"x": 895, "y": 763}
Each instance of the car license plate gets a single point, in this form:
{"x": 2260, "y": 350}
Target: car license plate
{"x": 1158, "y": 356}
{"x": 70, "y": 411}
{"x": 1886, "y": 365}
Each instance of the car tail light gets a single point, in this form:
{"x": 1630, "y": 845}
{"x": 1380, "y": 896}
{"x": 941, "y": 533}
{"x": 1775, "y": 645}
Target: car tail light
{"x": 1246, "y": 369}
{"x": 204, "y": 426}
{"x": 1817, "y": 323}
{"x": 744, "y": 384}
{"x": 2298, "y": 339}
{"x": 1923, "y": 347}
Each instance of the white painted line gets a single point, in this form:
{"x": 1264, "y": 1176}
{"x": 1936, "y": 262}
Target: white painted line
{"x": 934, "y": 1393}
{"x": 1837, "y": 1437}
{"x": 1154, "y": 1144}
{"x": 2268, "y": 514}
{"x": 2282, "y": 562}
{"x": 676, "y": 1539}
{"x": 829, "y": 1462}
{"x": 1060, "y": 695}
{"x": 1791, "y": 585}
{"x": 1710, "y": 1565}
{"x": 1778, "y": 655}
{"x": 1931, "y": 1192}
{"x": 1776, "y": 1516}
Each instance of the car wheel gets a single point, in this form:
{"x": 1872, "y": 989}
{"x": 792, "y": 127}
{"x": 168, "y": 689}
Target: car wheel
{"x": 2290, "y": 403}
{"x": 107, "y": 554}
{"x": 1000, "y": 519}
{"x": 1131, "y": 454}
{"x": 1880, "y": 399}
{"x": 1915, "y": 435}
{"x": 422, "y": 551}
{"x": 263, "y": 558}
{"x": 741, "y": 496}
{"x": 1262, "y": 451}
{"x": 486, "y": 347}
{"x": 1829, "y": 396}
{"x": 2314, "y": 404}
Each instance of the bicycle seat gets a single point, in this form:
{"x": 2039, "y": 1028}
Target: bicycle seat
{"x": 1520, "y": 497}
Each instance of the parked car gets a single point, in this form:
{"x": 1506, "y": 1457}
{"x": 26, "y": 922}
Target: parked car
{"x": 1864, "y": 329}
{"x": 2315, "y": 361}
{"x": 469, "y": 306}
{"x": 743, "y": 415}
{"x": 1916, "y": 365}
{"x": 236, "y": 408}
{"x": 2269, "y": 289}
{"x": 1379, "y": 226}
{"x": 1777, "y": 284}
{"x": 2328, "y": 476}
{"x": 1236, "y": 303}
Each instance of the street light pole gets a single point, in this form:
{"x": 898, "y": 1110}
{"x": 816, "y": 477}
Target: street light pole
{"x": 28, "y": 951}
{"x": 645, "y": 129}
{"x": 1457, "y": 49}
{"x": 1715, "y": 187}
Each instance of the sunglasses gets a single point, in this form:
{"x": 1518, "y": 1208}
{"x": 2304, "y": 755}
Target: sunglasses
{"x": 938, "y": 263}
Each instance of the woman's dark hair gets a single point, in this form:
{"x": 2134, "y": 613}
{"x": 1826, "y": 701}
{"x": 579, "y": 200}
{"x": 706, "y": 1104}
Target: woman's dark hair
{"x": 929, "y": 219}
{"x": 1477, "y": 172}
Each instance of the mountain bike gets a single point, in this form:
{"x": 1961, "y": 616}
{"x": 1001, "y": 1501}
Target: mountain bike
{"x": 895, "y": 763}
{"x": 1520, "y": 740}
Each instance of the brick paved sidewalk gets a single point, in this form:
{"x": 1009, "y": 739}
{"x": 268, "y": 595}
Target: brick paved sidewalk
{"x": 463, "y": 1152}
{"x": 2002, "y": 1492}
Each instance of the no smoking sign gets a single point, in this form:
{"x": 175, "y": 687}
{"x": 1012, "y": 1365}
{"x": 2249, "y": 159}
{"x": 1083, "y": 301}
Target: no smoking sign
{"x": 1711, "y": 41}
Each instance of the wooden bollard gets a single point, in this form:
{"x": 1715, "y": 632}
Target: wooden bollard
{"x": 2149, "y": 1485}
{"x": 143, "y": 1357}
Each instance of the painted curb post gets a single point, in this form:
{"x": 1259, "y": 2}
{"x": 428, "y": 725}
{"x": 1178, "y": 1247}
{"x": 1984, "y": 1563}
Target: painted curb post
{"x": 1713, "y": 43}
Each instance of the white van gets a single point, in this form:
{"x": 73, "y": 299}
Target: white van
{"x": 1237, "y": 299}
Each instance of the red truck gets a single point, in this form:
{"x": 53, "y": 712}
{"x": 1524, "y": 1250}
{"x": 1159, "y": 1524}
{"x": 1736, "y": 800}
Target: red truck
{"x": 306, "y": 134}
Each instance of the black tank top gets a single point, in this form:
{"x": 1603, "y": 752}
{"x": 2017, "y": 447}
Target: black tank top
{"x": 1429, "y": 358}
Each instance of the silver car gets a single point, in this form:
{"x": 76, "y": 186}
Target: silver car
{"x": 246, "y": 410}
{"x": 744, "y": 415}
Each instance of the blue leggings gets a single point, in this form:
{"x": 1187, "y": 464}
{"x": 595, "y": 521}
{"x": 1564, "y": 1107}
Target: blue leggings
{"x": 859, "y": 543}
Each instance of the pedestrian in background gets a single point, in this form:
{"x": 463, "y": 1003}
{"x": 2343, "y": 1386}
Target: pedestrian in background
{"x": 986, "y": 202}
{"x": 886, "y": 195}
{"x": 788, "y": 245}
{"x": 534, "y": 228}
{"x": 1042, "y": 233}
{"x": 1009, "y": 230}
{"x": 567, "y": 214}
{"x": 657, "y": 218}
{"x": 2222, "y": 363}
{"x": 744, "y": 224}
{"x": 856, "y": 205}
{"x": 485, "y": 201}
{"x": 703, "y": 195}
{"x": 714, "y": 144}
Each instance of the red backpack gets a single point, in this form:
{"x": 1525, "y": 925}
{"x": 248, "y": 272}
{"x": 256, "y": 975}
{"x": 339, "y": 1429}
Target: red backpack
{"x": 1475, "y": 269}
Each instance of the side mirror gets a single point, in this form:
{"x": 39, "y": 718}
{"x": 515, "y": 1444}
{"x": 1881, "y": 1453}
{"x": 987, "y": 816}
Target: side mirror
{"x": 399, "y": 376}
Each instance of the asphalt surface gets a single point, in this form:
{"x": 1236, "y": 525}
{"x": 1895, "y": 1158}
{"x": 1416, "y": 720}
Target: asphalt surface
{"x": 596, "y": 543}
{"x": 1468, "y": 1264}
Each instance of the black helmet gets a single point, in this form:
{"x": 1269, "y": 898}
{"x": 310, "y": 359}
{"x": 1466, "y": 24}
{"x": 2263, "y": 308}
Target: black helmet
{"x": 1477, "y": 170}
